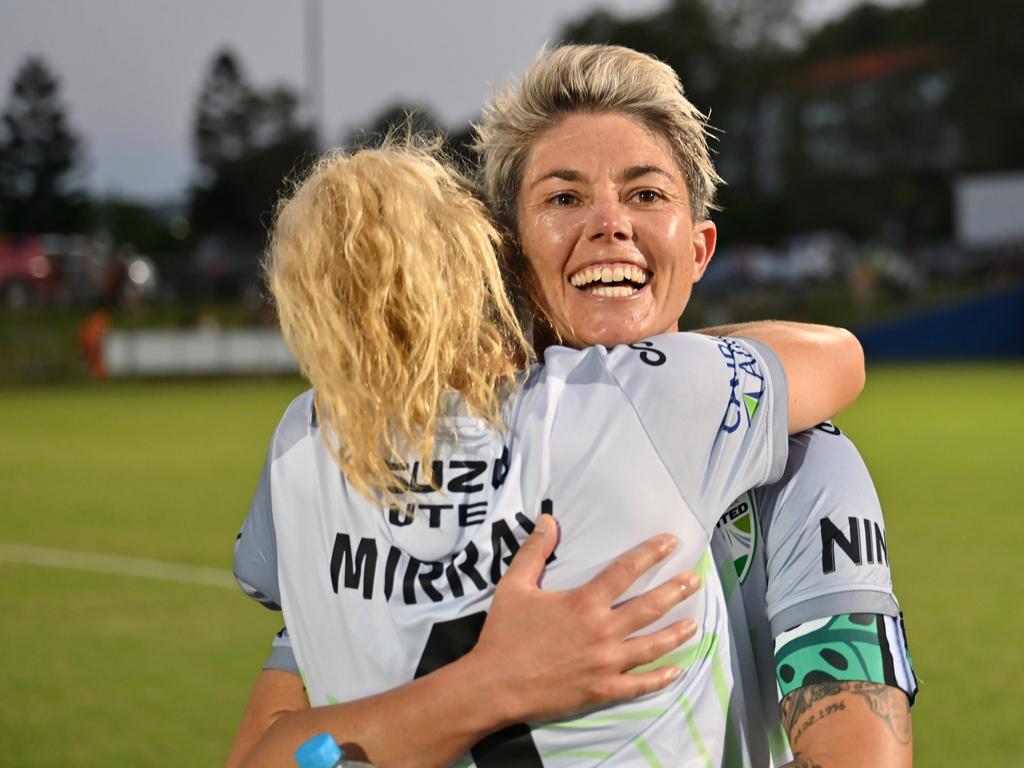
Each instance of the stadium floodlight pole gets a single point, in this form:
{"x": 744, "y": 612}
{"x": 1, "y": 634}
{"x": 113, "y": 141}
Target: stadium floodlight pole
{"x": 313, "y": 49}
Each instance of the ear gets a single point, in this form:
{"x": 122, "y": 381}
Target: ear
{"x": 705, "y": 237}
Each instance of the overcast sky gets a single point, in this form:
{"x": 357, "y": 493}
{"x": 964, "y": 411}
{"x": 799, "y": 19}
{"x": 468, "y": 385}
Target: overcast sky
{"x": 130, "y": 69}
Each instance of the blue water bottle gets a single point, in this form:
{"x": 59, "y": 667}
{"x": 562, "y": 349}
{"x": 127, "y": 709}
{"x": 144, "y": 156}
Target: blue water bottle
{"x": 322, "y": 751}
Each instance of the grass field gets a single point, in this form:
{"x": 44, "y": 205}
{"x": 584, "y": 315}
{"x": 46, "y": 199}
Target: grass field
{"x": 104, "y": 669}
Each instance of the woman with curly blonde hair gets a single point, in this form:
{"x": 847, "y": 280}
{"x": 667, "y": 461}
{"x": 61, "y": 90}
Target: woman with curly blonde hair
{"x": 365, "y": 260}
{"x": 397, "y": 491}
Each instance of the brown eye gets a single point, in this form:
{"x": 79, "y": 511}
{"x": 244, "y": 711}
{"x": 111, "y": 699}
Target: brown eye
{"x": 562, "y": 199}
{"x": 647, "y": 196}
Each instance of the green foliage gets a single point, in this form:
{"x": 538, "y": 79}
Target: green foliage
{"x": 128, "y": 221}
{"x": 39, "y": 154}
{"x": 248, "y": 142}
{"x": 684, "y": 35}
{"x": 867, "y": 27}
{"x": 985, "y": 46}
{"x": 860, "y": 125}
{"x": 115, "y": 670}
{"x": 415, "y": 119}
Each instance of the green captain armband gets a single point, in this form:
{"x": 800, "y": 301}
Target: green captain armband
{"x": 864, "y": 647}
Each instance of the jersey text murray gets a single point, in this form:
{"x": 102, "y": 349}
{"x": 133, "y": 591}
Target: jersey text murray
{"x": 362, "y": 565}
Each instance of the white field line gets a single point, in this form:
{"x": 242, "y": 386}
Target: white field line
{"x": 116, "y": 565}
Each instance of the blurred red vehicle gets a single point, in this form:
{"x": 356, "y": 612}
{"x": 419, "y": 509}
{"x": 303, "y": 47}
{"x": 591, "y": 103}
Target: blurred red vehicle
{"x": 28, "y": 277}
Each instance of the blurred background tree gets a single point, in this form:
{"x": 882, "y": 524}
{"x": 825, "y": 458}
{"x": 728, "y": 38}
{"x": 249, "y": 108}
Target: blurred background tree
{"x": 418, "y": 118}
{"x": 844, "y": 147}
{"x": 247, "y": 142}
{"x": 39, "y": 156}
{"x": 860, "y": 125}
{"x": 984, "y": 46}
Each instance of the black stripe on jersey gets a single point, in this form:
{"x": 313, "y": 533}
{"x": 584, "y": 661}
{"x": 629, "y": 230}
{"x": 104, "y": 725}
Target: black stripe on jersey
{"x": 888, "y": 667}
{"x": 513, "y": 745}
{"x": 450, "y": 640}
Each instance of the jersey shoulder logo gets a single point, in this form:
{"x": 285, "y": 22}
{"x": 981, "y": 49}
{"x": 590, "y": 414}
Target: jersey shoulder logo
{"x": 746, "y": 373}
{"x": 739, "y": 527}
{"x": 648, "y": 354}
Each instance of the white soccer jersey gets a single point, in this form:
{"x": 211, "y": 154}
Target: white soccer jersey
{"x": 618, "y": 446}
{"x": 800, "y": 540}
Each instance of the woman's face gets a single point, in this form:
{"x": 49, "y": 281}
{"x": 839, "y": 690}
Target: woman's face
{"x": 603, "y": 217}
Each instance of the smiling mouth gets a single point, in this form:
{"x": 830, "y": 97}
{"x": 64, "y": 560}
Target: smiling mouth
{"x": 610, "y": 281}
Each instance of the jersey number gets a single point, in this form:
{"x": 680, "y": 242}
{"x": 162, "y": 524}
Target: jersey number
{"x": 448, "y": 641}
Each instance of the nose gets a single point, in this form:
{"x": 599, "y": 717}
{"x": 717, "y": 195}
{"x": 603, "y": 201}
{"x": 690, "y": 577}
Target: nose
{"x": 609, "y": 220}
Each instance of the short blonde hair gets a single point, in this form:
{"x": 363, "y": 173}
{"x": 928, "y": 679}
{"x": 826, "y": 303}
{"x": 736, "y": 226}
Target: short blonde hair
{"x": 591, "y": 78}
{"x": 384, "y": 271}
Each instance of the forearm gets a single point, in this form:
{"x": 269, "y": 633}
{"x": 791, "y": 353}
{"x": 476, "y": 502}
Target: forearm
{"x": 848, "y": 725}
{"x": 401, "y": 727}
{"x": 824, "y": 365}
{"x": 541, "y": 654}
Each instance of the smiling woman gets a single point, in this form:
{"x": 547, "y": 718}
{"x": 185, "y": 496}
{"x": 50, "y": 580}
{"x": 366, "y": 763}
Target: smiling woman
{"x": 597, "y": 162}
{"x": 599, "y": 167}
{"x": 604, "y": 220}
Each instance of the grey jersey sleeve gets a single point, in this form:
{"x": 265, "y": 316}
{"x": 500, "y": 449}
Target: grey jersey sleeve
{"x": 282, "y": 657}
{"x": 824, "y": 535}
{"x": 714, "y": 408}
{"x": 255, "y": 560}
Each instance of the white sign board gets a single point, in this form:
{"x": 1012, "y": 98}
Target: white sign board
{"x": 205, "y": 352}
{"x": 990, "y": 209}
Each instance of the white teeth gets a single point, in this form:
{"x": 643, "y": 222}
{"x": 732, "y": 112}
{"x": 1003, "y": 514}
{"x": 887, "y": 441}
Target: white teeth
{"x": 602, "y": 274}
{"x": 613, "y": 290}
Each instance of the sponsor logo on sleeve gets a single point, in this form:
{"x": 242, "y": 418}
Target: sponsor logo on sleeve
{"x": 828, "y": 428}
{"x": 747, "y": 384}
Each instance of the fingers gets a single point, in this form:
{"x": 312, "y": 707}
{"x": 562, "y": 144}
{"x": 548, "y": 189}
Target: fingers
{"x": 651, "y": 668}
{"x": 528, "y": 564}
{"x": 650, "y": 649}
{"x": 645, "y": 609}
{"x": 632, "y": 684}
{"x": 626, "y": 569}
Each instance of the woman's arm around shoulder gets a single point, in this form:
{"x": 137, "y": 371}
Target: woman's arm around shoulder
{"x": 824, "y": 365}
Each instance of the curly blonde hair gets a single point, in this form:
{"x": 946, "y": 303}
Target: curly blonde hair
{"x": 590, "y": 78}
{"x": 384, "y": 271}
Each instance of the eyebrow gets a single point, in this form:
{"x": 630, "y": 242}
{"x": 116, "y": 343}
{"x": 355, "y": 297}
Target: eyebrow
{"x": 636, "y": 171}
{"x": 565, "y": 174}
{"x": 630, "y": 174}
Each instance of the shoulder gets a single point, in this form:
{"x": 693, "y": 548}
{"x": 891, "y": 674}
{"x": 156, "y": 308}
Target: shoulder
{"x": 654, "y": 352}
{"x": 298, "y": 421}
{"x": 825, "y": 476}
{"x": 822, "y": 455}
{"x": 669, "y": 360}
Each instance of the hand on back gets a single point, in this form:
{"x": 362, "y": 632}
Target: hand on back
{"x": 558, "y": 652}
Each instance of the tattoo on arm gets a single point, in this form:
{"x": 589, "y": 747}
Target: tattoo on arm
{"x": 806, "y": 706}
{"x": 889, "y": 705}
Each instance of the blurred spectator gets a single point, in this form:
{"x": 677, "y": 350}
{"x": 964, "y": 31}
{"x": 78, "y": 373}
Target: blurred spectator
{"x": 90, "y": 340}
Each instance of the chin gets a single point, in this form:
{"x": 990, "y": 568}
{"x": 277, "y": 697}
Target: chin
{"x": 611, "y": 338}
